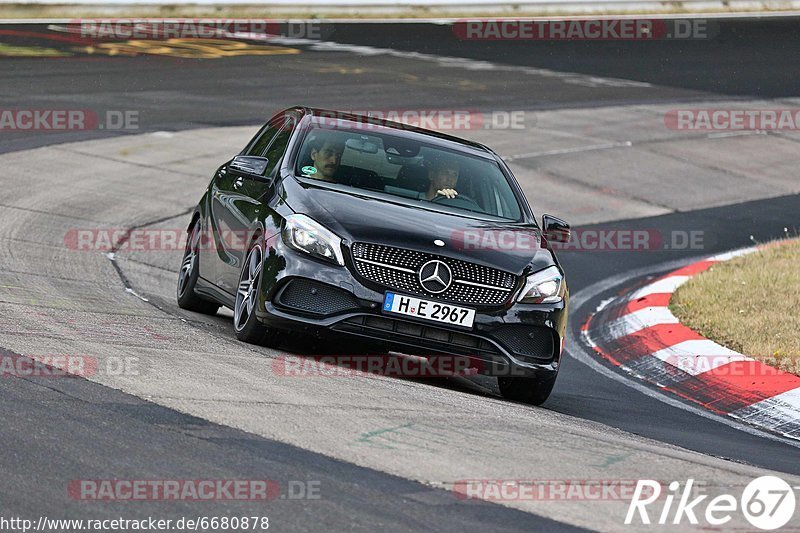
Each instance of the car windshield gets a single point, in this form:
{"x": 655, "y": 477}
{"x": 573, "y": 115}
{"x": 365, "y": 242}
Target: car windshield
{"x": 373, "y": 158}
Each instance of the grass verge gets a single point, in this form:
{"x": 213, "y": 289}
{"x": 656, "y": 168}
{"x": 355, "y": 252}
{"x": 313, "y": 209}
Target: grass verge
{"x": 750, "y": 304}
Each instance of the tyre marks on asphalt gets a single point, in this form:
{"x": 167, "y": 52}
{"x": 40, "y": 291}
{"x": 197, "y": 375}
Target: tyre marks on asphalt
{"x": 59, "y": 431}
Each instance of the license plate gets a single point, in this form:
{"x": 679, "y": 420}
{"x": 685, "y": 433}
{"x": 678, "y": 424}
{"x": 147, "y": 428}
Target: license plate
{"x": 428, "y": 310}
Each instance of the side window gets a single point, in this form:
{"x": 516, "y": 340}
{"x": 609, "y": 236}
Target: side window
{"x": 264, "y": 138}
{"x": 278, "y": 147}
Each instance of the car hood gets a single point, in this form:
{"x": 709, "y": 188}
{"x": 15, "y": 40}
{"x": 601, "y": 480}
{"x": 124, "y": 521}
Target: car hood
{"x": 356, "y": 217}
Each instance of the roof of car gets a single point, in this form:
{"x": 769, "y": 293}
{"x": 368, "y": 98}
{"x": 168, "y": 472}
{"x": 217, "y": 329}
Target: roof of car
{"x": 318, "y": 112}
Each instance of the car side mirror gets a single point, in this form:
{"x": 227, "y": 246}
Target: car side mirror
{"x": 251, "y": 165}
{"x": 555, "y": 229}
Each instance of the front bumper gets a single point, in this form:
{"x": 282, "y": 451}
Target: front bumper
{"x": 301, "y": 293}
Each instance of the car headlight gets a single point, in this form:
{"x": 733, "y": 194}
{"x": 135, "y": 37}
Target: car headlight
{"x": 543, "y": 287}
{"x": 306, "y": 235}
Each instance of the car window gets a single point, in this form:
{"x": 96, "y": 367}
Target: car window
{"x": 276, "y": 150}
{"x": 432, "y": 175}
{"x": 265, "y": 136}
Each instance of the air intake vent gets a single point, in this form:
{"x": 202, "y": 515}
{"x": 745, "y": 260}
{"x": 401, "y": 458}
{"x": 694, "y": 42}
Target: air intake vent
{"x": 316, "y": 298}
{"x": 530, "y": 343}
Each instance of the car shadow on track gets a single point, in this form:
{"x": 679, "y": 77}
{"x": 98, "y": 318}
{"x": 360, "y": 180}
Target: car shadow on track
{"x": 309, "y": 354}
{"x": 312, "y": 353}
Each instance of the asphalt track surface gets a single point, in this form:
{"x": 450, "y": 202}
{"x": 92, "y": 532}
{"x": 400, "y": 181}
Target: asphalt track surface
{"x": 72, "y": 429}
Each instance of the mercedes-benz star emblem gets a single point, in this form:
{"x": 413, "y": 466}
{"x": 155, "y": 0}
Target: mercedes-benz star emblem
{"x": 435, "y": 276}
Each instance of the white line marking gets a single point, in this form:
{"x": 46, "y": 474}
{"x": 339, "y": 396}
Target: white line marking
{"x": 724, "y": 135}
{"x": 639, "y": 320}
{"x": 667, "y": 284}
{"x": 730, "y": 255}
{"x": 777, "y": 412}
{"x": 790, "y": 398}
{"x": 577, "y": 149}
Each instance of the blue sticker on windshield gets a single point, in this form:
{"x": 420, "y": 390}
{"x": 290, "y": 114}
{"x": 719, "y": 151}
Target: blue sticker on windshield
{"x": 309, "y": 170}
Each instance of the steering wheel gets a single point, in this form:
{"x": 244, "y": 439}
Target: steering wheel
{"x": 463, "y": 202}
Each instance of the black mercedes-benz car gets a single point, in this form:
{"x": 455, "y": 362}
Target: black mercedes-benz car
{"x": 424, "y": 242}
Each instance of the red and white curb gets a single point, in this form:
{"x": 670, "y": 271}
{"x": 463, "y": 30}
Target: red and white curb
{"x": 637, "y": 333}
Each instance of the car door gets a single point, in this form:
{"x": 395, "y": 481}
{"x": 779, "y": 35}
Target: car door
{"x": 238, "y": 203}
{"x": 234, "y": 207}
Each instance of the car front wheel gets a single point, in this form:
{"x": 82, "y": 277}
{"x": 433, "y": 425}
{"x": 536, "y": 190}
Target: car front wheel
{"x": 245, "y": 322}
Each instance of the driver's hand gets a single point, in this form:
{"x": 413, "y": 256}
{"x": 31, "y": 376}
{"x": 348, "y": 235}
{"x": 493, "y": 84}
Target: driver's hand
{"x": 449, "y": 193}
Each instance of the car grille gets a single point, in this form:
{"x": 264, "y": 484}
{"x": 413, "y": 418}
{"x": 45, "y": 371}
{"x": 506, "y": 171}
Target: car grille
{"x": 397, "y": 268}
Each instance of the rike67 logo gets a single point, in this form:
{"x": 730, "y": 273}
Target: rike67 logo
{"x": 767, "y": 502}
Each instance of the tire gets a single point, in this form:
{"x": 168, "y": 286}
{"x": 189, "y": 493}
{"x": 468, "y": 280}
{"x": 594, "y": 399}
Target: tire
{"x": 187, "y": 276}
{"x": 245, "y": 322}
{"x": 534, "y": 391}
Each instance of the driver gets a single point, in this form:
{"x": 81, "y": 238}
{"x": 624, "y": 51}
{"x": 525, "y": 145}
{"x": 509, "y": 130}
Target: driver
{"x": 443, "y": 177}
{"x": 326, "y": 154}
